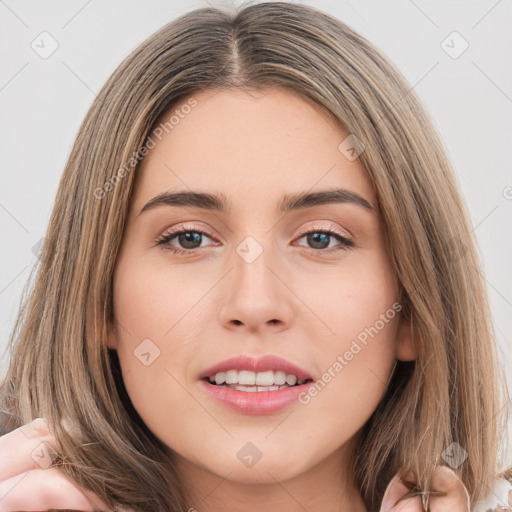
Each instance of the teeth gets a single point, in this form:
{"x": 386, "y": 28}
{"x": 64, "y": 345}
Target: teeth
{"x": 255, "y": 380}
{"x": 252, "y": 389}
{"x": 247, "y": 378}
{"x": 291, "y": 380}
{"x": 231, "y": 377}
{"x": 265, "y": 378}
{"x": 279, "y": 378}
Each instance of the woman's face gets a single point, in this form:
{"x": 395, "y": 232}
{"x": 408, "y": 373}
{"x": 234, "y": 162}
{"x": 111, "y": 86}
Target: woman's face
{"x": 309, "y": 282}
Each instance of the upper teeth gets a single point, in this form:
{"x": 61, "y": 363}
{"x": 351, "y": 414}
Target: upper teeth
{"x": 249, "y": 378}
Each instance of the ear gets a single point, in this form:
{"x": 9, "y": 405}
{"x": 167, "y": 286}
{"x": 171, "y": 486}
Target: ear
{"x": 404, "y": 348}
{"x": 112, "y": 341}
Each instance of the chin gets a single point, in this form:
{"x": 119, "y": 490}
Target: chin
{"x": 265, "y": 471}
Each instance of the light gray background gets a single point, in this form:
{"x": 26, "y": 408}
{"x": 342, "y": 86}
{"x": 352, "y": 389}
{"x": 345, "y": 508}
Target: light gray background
{"x": 43, "y": 101}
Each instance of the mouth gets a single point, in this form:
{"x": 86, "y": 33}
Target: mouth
{"x": 251, "y": 382}
{"x": 255, "y": 386}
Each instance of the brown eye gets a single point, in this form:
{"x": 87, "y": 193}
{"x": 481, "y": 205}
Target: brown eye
{"x": 188, "y": 239}
{"x": 319, "y": 239}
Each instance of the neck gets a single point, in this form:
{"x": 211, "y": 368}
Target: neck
{"x": 330, "y": 485}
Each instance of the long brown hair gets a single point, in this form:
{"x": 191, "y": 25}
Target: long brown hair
{"x": 61, "y": 367}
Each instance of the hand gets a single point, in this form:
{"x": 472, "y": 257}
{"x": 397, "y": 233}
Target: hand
{"x": 453, "y": 496}
{"x": 27, "y": 482}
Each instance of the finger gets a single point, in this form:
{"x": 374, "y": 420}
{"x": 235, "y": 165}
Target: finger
{"x": 46, "y": 489}
{"x": 31, "y": 446}
{"x": 395, "y": 499}
{"x": 457, "y": 497}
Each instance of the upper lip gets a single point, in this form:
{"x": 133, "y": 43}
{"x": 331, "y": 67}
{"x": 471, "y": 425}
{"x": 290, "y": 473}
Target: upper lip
{"x": 261, "y": 364}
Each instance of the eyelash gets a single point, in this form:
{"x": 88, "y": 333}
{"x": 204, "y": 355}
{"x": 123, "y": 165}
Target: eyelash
{"x": 164, "y": 240}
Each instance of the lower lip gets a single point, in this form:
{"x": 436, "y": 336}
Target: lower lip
{"x": 256, "y": 402}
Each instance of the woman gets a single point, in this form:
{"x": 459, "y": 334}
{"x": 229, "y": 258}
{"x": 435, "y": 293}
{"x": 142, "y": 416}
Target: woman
{"x": 258, "y": 285}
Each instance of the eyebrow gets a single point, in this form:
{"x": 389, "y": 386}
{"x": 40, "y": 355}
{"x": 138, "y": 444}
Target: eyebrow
{"x": 290, "y": 202}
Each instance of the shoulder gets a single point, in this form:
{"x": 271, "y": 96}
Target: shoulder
{"x": 500, "y": 498}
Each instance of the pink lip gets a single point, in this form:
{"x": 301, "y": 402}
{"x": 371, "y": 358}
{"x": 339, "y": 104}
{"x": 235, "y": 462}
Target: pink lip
{"x": 263, "y": 364}
{"x": 257, "y": 402}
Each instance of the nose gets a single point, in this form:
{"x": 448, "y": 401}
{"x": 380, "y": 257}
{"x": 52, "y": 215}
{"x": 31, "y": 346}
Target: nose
{"x": 256, "y": 294}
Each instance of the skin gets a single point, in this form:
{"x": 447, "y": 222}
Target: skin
{"x": 27, "y": 482}
{"x": 202, "y": 308}
{"x": 258, "y": 147}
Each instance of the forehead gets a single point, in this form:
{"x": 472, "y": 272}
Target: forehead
{"x": 272, "y": 142}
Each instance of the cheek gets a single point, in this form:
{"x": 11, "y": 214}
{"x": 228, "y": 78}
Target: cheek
{"x": 354, "y": 302}
{"x": 359, "y": 314}
{"x": 153, "y": 301}
{"x": 355, "y": 370}
{"x": 157, "y": 312}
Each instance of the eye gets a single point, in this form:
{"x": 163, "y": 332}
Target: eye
{"x": 320, "y": 238}
{"x": 189, "y": 236}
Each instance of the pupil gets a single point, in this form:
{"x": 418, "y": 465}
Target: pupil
{"x": 190, "y": 237}
{"x": 316, "y": 238}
